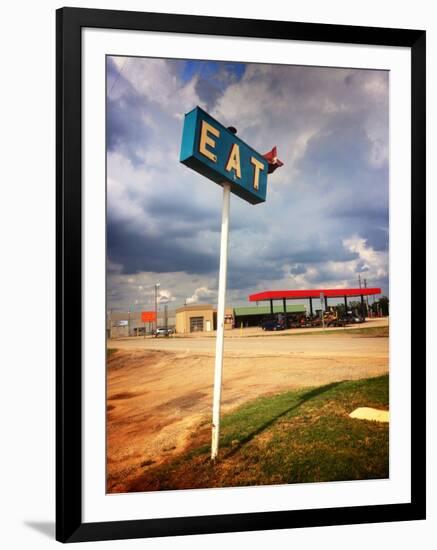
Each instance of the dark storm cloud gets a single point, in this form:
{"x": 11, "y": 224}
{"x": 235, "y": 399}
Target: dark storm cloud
{"x": 370, "y": 223}
{"x": 312, "y": 252}
{"x": 339, "y": 150}
{"x": 169, "y": 211}
{"x": 376, "y": 213}
{"x": 242, "y": 277}
{"x": 297, "y": 269}
{"x": 377, "y": 238}
{"x": 159, "y": 253}
{"x": 337, "y": 159}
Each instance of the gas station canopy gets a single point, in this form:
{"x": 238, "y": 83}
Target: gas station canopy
{"x": 312, "y": 293}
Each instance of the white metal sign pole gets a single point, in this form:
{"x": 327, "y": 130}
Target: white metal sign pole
{"x": 220, "y": 322}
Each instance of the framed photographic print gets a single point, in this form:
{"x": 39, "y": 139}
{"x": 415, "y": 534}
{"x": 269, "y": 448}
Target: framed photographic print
{"x": 240, "y": 234}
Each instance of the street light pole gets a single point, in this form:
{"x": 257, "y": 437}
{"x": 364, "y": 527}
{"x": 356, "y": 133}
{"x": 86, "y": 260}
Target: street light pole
{"x": 110, "y": 324}
{"x": 367, "y": 297}
{"x": 156, "y": 307}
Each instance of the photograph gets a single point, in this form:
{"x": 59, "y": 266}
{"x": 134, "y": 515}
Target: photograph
{"x": 247, "y": 274}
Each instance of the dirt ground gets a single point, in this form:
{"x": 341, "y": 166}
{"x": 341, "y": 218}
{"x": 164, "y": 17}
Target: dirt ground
{"x": 160, "y": 390}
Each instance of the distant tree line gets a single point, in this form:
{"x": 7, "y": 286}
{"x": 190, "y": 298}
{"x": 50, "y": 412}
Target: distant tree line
{"x": 379, "y": 307}
{"x": 382, "y": 305}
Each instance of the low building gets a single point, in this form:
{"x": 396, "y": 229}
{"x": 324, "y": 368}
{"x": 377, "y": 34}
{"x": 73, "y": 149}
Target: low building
{"x": 120, "y": 324}
{"x": 200, "y": 318}
{"x": 253, "y": 316}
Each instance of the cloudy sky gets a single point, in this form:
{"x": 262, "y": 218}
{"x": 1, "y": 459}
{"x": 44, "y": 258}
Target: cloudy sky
{"x": 325, "y": 220}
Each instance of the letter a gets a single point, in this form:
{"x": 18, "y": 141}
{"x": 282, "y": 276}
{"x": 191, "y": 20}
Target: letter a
{"x": 234, "y": 160}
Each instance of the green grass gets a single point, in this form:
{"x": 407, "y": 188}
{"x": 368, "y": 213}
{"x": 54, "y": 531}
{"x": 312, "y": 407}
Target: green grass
{"x": 293, "y": 437}
{"x": 110, "y": 351}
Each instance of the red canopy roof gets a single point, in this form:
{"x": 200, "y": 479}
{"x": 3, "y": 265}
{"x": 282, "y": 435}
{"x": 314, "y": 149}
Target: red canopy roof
{"x": 302, "y": 294}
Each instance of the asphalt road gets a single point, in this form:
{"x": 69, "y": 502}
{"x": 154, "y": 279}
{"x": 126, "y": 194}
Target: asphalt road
{"x": 309, "y": 345}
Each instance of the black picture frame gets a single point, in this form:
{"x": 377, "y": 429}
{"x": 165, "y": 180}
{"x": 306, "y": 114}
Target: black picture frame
{"x": 69, "y": 524}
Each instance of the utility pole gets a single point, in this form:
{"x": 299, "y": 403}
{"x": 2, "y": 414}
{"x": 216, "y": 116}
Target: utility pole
{"x": 156, "y": 307}
{"x": 322, "y": 310}
{"x": 362, "y": 304}
{"x": 367, "y": 298}
{"x": 110, "y": 324}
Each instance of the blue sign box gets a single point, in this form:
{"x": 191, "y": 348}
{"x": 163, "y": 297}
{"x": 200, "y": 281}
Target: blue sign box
{"x": 218, "y": 154}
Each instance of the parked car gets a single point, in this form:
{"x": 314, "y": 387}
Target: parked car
{"x": 353, "y": 319}
{"x": 163, "y": 332}
{"x": 272, "y": 324}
